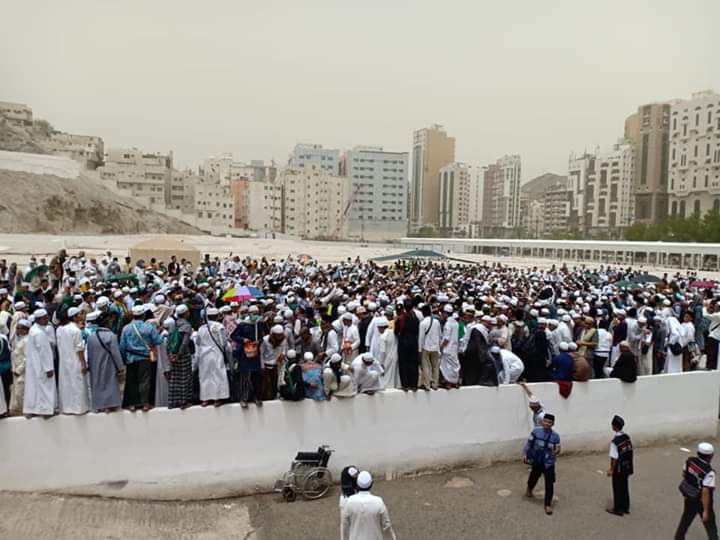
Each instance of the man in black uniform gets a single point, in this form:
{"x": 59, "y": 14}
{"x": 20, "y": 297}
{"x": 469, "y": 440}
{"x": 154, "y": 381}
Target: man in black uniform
{"x": 621, "y": 467}
{"x": 697, "y": 487}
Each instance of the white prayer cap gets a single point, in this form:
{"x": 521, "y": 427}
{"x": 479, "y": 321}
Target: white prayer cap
{"x": 308, "y": 356}
{"x": 494, "y": 349}
{"x": 572, "y": 346}
{"x": 335, "y": 358}
{"x": 138, "y": 310}
{"x": 72, "y": 312}
{"x": 92, "y": 316}
{"x": 3, "y": 291}
{"x": 624, "y": 344}
{"x": 503, "y": 318}
{"x": 382, "y": 322}
{"x": 347, "y": 317}
{"x": 291, "y": 354}
{"x": 134, "y": 290}
{"x": 39, "y": 313}
{"x": 181, "y": 309}
{"x": 553, "y": 322}
{"x": 542, "y": 320}
{"x": 103, "y": 301}
{"x": 169, "y": 323}
{"x": 25, "y": 323}
{"x": 368, "y": 358}
{"x": 642, "y": 320}
{"x": 364, "y": 480}
{"x": 19, "y": 306}
{"x": 566, "y": 318}
{"x": 486, "y": 318}
{"x": 533, "y": 312}
{"x": 278, "y": 319}
{"x": 448, "y": 308}
{"x": 225, "y": 309}
{"x": 518, "y": 323}
{"x": 704, "y": 448}
{"x": 341, "y": 310}
{"x": 372, "y": 306}
{"x": 159, "y": 299}
{"x": 254, "y": 309}
{"x": 563, "y": 346}
{"x": 666, "y": 302}
{"x": 288, "y": 313}
{"x": 277, "y": 329}
{"x": 117, "y": 294}
{"x": 212, "y": 311}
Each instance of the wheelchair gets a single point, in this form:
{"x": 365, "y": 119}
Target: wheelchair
{"x": 308, "y": 476}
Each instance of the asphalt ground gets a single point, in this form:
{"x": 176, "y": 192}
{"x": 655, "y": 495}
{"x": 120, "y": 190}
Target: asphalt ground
{"x": 472, "y": 504}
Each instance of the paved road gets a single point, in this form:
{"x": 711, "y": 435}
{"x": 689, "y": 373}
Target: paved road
{"x": 469, "y": 504}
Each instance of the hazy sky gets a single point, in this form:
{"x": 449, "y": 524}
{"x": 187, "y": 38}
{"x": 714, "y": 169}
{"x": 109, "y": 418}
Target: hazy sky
{"x": 253, "y": 78}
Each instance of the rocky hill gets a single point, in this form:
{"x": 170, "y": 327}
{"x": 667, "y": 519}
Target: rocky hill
{"x": 34, "y": 203}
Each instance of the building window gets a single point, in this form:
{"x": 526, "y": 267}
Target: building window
{"x": 697, "y": 208}
{"x": 674, "y": 208}
{"x": 682, "y": 209}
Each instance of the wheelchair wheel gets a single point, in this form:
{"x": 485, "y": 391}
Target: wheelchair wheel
{"x": 316, "y": 483}
{"x": 289, "y": 494}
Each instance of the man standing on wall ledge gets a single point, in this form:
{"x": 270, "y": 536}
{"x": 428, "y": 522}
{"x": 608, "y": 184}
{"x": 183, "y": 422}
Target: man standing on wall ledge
{"x": 541, "y": 451}
{"x": 697, "y": 487}
{"x": 621, "y": 468}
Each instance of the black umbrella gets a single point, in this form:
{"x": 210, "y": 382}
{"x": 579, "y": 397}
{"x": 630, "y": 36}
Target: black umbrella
{"x": 646, "y": 278}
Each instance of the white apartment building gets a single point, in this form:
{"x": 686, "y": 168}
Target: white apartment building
{"x": 609, "y": 198}
{"x": 181, "y": 195}
{"x": 312, "y": 203}
{"x": 87, "y": 149}
{"x": 476, "y": 192}
{"x": 315, "y": 156}
{"x": 214, "y": 206}
{"x": 454, "y": 181}
{"x": 378, "y": 192}
{"x": 263, "y": 212}
{"x": 141, "y": 175}
{"x": 17, "y": 114}
{"x": 579, "y": 166}
{"x": 225, "y": 169}
{"x": 508, "y": 204}
{"x": 694, "y": 168}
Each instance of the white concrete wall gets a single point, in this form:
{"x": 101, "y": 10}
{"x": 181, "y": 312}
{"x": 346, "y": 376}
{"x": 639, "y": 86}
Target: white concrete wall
{"x": 39, "y": 164}
{"x": 208, "y": 452}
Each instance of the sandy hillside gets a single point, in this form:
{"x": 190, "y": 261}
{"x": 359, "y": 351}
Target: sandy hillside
{"x": 34, "y": 203}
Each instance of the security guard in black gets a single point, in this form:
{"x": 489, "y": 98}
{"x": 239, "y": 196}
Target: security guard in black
{"x": 621, "y": 468}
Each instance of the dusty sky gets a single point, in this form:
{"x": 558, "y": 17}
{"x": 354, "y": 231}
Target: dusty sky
{"x": 253, "y": 78}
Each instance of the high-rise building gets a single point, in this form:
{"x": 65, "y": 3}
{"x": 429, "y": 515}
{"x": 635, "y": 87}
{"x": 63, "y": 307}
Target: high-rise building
{"x": 579, "y": 166}
{"x": 609, "y": 201}
{"x": 501, "y": 208}
{"x": 454, "y": 198}
{"x": 694, "y": 171}
{"x": 311, "y": 203}
{"x": 314, "y": 156}
{"x": 475, "y": 208}
{"x": 378, "y": 189}
{"x": 432, "y": 149}
{"x": 544, "y": 205}
{"x": 648, "y": 130}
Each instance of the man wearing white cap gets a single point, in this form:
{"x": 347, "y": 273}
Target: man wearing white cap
{"x": 19, "y": 358}
{"x": 388, "y": 354}
{"x": 72, "y": 369}
{"x": 272, "y": 357}
{"x": 364, "y": 516}
{"x": 698, "y": 487}
{"x": 40, "y": 390}
{"x": 367, "y": 374}
{"x": 673, "y": 353}
{"x": 449, "y": 362}
{"x": 138, "y": 347}
{"x": 212, "y": 349}
{"x": 350, "y": 338}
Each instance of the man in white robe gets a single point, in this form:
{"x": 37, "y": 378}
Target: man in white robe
{"x": 18, "y": 358}
{"x": 364, "y": 516}
{"x": 673, "y": 362}
{"x": 350, "y": 338}
{"x": 388, "y": 355}
{"x": 449, "y": 362}
{"x": 72, "y": 369}
{"x": 212, "y": 346}
{"x": 367, "y": 374}
{"x": 40, "y": 392}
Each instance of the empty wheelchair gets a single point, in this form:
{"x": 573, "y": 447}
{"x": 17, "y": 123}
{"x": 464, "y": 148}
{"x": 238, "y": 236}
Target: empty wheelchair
{"x": 308, "y": 476}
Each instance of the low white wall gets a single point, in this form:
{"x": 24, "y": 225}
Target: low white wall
{"x": 63, "y": 167}
{"x": 208, "y": 452}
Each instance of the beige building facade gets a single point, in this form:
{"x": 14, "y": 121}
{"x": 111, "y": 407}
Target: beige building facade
{"x": 454, "y": 181}
{"x": 432, "y": 150}
{"x": 138, "y": 173}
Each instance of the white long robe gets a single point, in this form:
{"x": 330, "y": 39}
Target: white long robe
{"x": 673, "y": 362}
{"x": 449, "y": 362}
{"x": 211, "y": 361}
{"x": 40, "y": 391}
{"x": 72, "y": 382}
{"x": 388, "y": 357}
{"x": 3, "y": 405}
{"x": 19, "y": 352}
{"x": 367, "y": 378}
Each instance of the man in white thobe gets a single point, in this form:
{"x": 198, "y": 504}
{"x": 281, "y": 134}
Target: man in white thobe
{"x": 40, "y": 392}
{"x": 211, "y": 346}
{"x": 673, "y": 362}
{"x": 449, "y": 362}
{"x": 350, "y": 338}
{"x": 364, "y": 516}
{"x": 367, "y": 374}
{"x": 388, "y": 355}
{"x": 72, "y": 369}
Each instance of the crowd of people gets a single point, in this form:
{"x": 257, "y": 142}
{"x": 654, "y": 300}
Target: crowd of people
{"x": 80, "y": 333}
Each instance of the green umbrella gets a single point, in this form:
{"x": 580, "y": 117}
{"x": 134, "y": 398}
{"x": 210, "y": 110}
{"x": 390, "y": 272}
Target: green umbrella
{"x": 123, "y": 277}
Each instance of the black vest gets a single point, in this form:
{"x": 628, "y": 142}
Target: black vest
{"x": 624, "y": 446}
{"x": 695, "y": 471}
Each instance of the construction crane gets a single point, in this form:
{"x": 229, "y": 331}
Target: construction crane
{"x": 345, "y": 214}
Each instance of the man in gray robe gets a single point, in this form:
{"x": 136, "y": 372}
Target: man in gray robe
{"x": 106, "y": 368}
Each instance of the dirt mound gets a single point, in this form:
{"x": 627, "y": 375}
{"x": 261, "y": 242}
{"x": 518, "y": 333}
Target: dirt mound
{"x": 33, "y": 203}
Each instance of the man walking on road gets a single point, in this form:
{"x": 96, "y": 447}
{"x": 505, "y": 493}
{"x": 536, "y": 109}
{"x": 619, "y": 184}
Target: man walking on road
{"x": 697, "y": 488}
{"x": 541, "y": 451}
{"x": 621, "y": 468}
{"x": 364, "y": 516}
